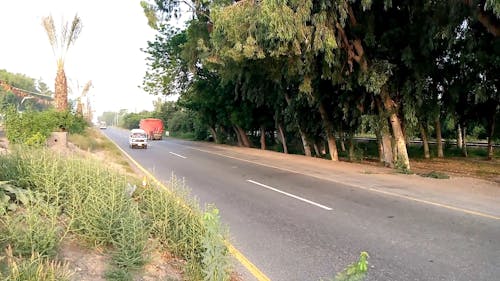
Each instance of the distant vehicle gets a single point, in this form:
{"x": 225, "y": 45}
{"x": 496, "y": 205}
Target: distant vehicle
{"x": 138, "y": 138}
{"x": 102, "y": 125}
{"x": 153, "y": 128}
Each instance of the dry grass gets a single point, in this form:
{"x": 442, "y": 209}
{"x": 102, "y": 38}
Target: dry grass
{"x": 94, "y": 143}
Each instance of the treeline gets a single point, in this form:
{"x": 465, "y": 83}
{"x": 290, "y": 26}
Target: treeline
{"x": 178, "y": 120}
{"x": 321, "y": 72}
{"x": 21, "y": 81}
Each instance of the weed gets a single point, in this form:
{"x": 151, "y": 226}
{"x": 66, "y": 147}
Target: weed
{"x": 96, "y": 207}
{"x": 36, "y": 268}
{"x": 356, "y": 271}
{"x": 216, "y": 265}
{"x": 118, "y": 274}
{"x": 131, "y": 241}
{"x": 435, "y": 175}
{"x": 400, "y": 167}
{"x": 179, "y": 225}
{"x": 33, "y": 229}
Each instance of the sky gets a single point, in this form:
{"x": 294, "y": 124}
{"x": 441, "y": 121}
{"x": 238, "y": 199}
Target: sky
{"x": 107, "y": 51}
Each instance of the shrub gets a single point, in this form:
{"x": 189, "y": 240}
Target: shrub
{"x": 33, "y": 127}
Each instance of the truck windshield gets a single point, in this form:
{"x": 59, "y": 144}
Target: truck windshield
{"x": 138, "y": 135}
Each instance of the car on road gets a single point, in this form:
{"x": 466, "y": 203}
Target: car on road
{"x": 102, "y": 125}
{"x": 138, "y": 138}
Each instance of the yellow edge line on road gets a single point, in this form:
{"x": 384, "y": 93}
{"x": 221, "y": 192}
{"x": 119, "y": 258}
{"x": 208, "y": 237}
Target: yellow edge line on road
{"x": 471, "y": 212}
{"x": 237, "y": 254}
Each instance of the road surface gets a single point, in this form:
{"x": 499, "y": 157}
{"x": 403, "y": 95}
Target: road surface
{"x": 296, "y": 227}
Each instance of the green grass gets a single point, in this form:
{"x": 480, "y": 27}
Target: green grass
{"x": 83, "y": 197}
{"x": 34, "y": 268}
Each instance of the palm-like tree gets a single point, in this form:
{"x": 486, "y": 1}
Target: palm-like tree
{"x": 60, "y": 44}
{"x": 83, "y": 96}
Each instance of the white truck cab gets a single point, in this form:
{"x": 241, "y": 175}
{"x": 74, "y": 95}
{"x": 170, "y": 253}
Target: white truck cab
{"x": 138, "y": 138}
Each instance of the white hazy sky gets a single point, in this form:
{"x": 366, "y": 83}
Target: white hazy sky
{"x": 107, "y": 51}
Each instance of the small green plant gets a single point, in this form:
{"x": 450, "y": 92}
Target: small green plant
{"x": 36, "y": 268}
{"x": 400, "y": 167}
{"x": 118, "y": 274}
{"x": 11, "y": 195}
{"x": 356, "y": 271}
{"x": 131, "y": 243}
{"x": 216, "y": 265}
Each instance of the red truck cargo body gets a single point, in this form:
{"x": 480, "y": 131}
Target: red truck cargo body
{"x": 153, "y": 127}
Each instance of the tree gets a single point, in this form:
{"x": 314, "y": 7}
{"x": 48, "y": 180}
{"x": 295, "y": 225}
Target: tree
{"x": 60, "y": 43}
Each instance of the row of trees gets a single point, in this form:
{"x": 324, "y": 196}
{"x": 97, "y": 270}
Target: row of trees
{"x": 178, "y": 120}
{"x": 323, "y": 69}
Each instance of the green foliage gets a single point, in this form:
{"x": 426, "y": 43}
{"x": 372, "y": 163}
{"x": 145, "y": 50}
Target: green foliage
{"x": 96, "y": 205}
{"x": 118, "y": 274}
{"x": 401, "y": 167}
{"x": 216, "y": 265}
{"x": 178, "y": 224}
{"x": 11, "y": 195}
{"x": 356, "y": 271}
{"x": 131, "y": 120}
{"x": 33, "y": 127}
{"x": 92, "y": 197}
{"x": 32, "y": 229}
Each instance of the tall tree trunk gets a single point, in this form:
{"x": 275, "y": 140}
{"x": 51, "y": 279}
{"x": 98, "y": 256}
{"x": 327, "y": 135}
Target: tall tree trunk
{"x": 327, "y": 124}
{"x": 425, "y": 141}
{"x": 305, "y": 143}
{"x": 79, "y": 107}
{"x": 236, "y": 131}
{"x": 351, "y": 147}
{"x": 490, "y": 136}
{"x": 342, "y": 142}
{"x": 214, "y": 134}
{"x": 303, "y": 137}
{"x": 283, "y": 138}
{"x": 244, "y": 137}
{"x": 380, "y": 147}
{"x": 459, "y": 136}
{"x": 397, "y": 131}
{"x": 439, "y": 139}
{"x": 464, "y": 141}
{"x": 385, "y": 147}
{"x": 262, "y": 137}
{"x": 61, "y": 90}
{"x": 316, "y": 149}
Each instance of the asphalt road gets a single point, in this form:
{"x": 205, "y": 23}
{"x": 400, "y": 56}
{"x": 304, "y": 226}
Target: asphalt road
{"x": 296, "y": 227}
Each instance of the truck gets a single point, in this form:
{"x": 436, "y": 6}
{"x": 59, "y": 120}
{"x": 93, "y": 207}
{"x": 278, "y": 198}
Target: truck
{"x": 153, "y": 128}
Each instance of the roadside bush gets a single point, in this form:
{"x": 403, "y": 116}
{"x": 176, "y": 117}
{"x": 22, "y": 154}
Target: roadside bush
{"x": 33, "y": 127}
{"x": 179, "y": 225}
